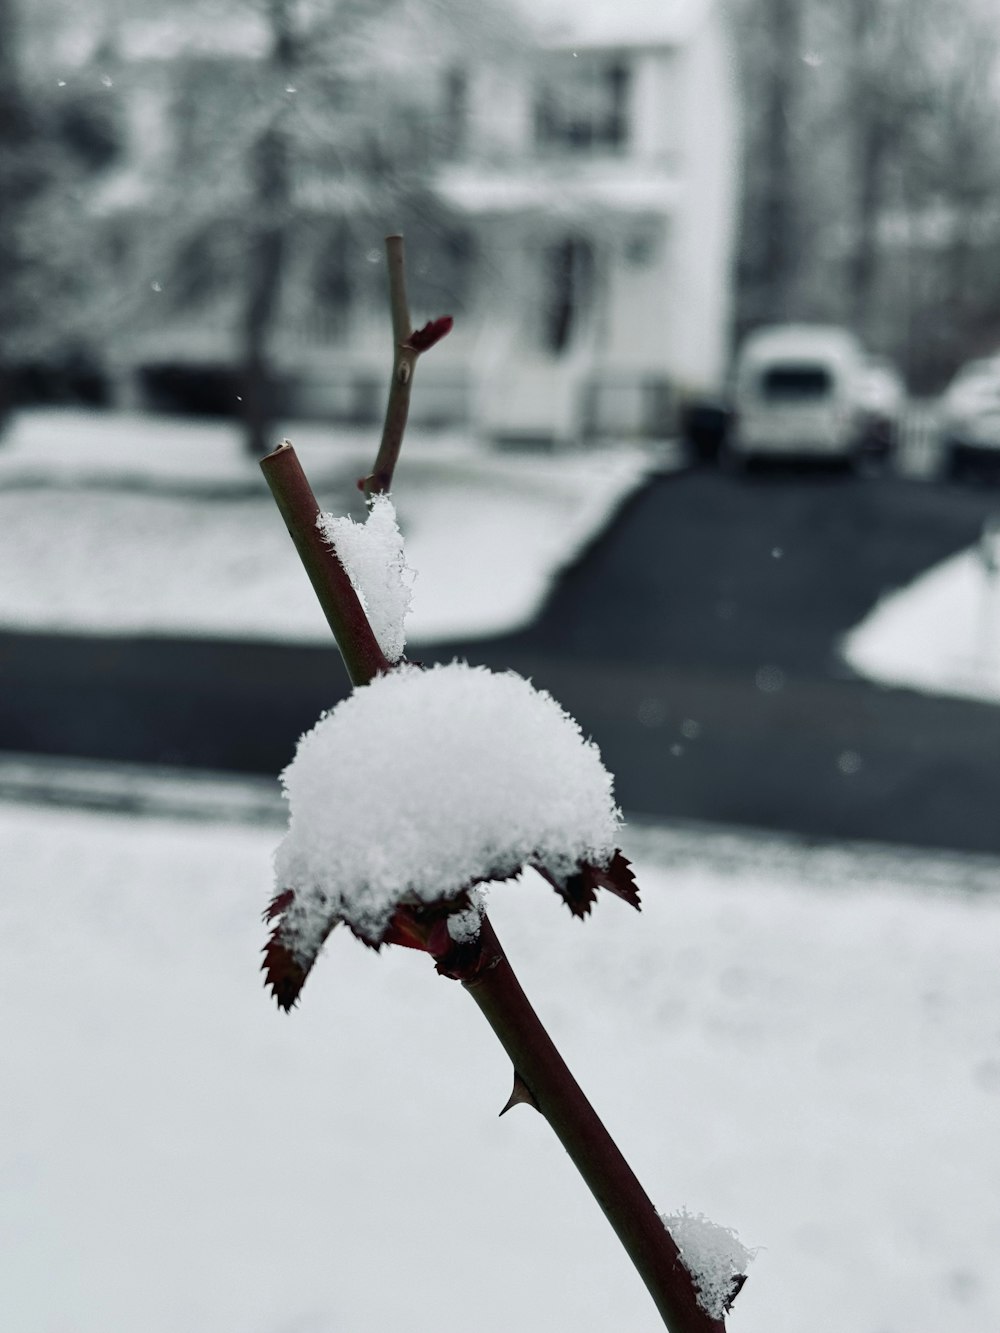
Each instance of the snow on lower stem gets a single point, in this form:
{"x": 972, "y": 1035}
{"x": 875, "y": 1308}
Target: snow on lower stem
{"x": 544, "y": 1079}
{"x": 714, "y": 1255}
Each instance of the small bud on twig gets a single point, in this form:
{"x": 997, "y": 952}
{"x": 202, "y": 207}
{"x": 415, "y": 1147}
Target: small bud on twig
{"x": 432, "y": 332}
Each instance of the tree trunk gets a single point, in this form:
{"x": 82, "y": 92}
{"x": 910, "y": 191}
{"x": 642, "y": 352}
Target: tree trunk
{"x": 265, "y": 266}
{"x": 871, "y": 112}
{"x": 13, "y": 133}
{"x": 779, "y": 205}
{"x": 270, "y": 165}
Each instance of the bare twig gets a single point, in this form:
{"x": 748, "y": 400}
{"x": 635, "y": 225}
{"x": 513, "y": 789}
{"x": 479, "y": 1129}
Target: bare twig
{"x": 407, "y": 346}
{"x": 395, "y": 260}
{"x": 299, "y": 508}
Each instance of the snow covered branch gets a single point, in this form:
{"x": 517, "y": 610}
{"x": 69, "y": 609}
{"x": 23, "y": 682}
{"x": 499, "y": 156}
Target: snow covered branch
{"x": 425, "y": 785}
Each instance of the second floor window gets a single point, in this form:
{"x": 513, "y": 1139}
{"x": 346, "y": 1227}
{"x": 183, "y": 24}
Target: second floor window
{"x": 581, "y": 104}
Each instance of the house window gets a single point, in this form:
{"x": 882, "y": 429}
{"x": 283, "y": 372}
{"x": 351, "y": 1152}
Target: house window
{"x": 581, "y": 104}
{"x": 568, "y": 291}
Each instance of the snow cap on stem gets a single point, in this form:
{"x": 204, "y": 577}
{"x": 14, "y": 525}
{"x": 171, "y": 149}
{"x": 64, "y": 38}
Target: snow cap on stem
{"x": 421, "y": 785}
{"x": 715, "y": 1257}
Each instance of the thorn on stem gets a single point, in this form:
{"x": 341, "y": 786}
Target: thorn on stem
{"x": 521, "y": 1094}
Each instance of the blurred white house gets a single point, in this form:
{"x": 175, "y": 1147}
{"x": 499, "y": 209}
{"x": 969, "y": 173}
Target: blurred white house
{"x": 580, "y": 216}
{"x": 599, "y": 176}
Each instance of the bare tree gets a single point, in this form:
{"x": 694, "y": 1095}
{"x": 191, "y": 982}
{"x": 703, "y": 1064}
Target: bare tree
{"x": 286, "y": 133}
{"x": 55, "y": 140}
{"x": 772, "y": 48}
{"x": 267, "y": 239}
{"x": 873, "y": 108}
{"x": 21, "y": 178}
{"x": 872, "y": 173}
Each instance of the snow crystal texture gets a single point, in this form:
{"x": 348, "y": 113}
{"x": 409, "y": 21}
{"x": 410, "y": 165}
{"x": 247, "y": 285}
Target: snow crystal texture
{"x": 423, "y": 782}
{"x": 713, "y": 1255}
{"x": 372, "y": 554}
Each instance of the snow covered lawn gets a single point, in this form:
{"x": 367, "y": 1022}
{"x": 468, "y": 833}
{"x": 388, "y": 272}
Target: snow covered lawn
{"x": 801, "y": 1042}
{"x": 165, "y": 527}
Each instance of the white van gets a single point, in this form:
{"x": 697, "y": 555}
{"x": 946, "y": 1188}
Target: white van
{"x": 797, "y": 393}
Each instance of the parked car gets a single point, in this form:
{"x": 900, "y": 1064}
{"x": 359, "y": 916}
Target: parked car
{"x": 969, "y": 419}
{"x": 799, "y": 390}
{"x": 882, "y": 398}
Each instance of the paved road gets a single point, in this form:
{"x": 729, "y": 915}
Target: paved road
{"x": 726, "y": 597}
{"x": 694, "y": 641}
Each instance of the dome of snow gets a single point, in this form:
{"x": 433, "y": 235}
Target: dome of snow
{"x": 422, "y": 783}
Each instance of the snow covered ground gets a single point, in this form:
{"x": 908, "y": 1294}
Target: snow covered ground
{"x": 117, "y": 524}
{"x": 941, "y": 634}
{"x": 802, "y": 1042}
{"x": 165, "y": 527}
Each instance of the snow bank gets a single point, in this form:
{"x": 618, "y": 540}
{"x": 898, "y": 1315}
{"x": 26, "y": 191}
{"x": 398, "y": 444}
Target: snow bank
{"x": 940, "y": 634}
{"x": 425, "y": 782}
{"x": 130, "y": 495}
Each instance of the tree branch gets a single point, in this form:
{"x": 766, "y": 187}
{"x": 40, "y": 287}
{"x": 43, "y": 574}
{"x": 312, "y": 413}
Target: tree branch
{"x": 299, "y": 508}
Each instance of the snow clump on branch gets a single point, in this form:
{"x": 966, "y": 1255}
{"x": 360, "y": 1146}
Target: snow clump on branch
{"x": 372, "y": 554}
{"x": 715, "y": 1257}
{"x": 421, "y": 785}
